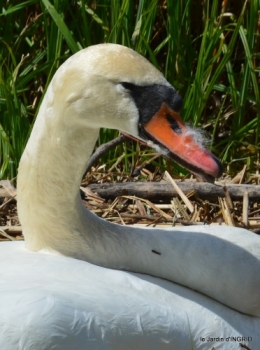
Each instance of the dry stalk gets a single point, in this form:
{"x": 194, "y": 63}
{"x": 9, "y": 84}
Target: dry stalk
{"x": 180, "y": 192}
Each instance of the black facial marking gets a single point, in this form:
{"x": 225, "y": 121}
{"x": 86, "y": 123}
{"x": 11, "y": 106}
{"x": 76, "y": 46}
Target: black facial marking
{"x": 174, "y": 125}
{"x": 149, "y": 99}
{"x": 128, "y": 86}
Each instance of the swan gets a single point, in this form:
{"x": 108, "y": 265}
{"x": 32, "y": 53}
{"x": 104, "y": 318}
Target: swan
{"x": 80, "y": 282}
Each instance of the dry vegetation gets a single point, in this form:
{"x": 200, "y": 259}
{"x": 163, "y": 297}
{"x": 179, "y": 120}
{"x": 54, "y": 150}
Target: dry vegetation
{"x": 182, "y": 202}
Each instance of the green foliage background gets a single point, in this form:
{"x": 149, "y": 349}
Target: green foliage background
{"x": 209, "y": 50}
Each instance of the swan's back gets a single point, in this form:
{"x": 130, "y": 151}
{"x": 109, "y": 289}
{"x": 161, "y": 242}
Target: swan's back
{"x": 56, "y": 302}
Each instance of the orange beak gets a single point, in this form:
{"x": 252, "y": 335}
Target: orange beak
{"x": 167, "y": 130}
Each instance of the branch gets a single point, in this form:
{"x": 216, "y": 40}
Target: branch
{"x": 163, "y": 191}
{"x": 103, "y": 149}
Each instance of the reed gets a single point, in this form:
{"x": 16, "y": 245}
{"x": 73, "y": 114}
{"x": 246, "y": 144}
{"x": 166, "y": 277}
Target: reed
{"x": 210, "y": 51}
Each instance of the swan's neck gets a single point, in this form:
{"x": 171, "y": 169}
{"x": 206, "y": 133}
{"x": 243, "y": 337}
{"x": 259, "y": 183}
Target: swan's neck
{"x": 50, "y": 207}
{"x": 50, "y": 173}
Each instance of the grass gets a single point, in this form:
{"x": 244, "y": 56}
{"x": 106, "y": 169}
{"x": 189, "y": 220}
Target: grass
{"x": 209, "y": 51}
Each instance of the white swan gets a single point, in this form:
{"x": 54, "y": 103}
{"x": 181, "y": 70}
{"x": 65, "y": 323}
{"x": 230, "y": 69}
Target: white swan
{"x": 57, "y": 299}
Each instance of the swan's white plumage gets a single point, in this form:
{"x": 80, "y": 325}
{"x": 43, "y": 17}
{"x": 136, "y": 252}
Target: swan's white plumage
{"x": 61, "y": 303}
{"x": 80, "y": 305}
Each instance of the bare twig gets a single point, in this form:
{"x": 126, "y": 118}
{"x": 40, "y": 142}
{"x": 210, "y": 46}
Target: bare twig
{"x": 180, "y": 192}
{"x": 3, "y": 233}
{"x": 103, "y": 149}
{"x": 164, "y": 190}
{"x": 226, "y": 212}
{"x": 245, "y": 208}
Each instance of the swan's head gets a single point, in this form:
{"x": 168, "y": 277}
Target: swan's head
{"x": 112, "y": 86}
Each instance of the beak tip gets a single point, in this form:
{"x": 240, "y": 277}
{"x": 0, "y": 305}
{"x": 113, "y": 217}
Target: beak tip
{"x": 213, "y": 171}
{"x": 219, "y": 170}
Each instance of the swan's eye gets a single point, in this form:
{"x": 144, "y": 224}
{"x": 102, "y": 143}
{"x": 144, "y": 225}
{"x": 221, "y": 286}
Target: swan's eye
{"x": 127, "y": 86}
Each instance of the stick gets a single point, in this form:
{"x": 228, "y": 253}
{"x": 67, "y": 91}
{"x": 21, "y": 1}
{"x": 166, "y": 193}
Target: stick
{"x": 103, "y": 149}
{"x": 245, "y": 209}
{"x": 180, "y": 192}
{"x": 165, "y": 191}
